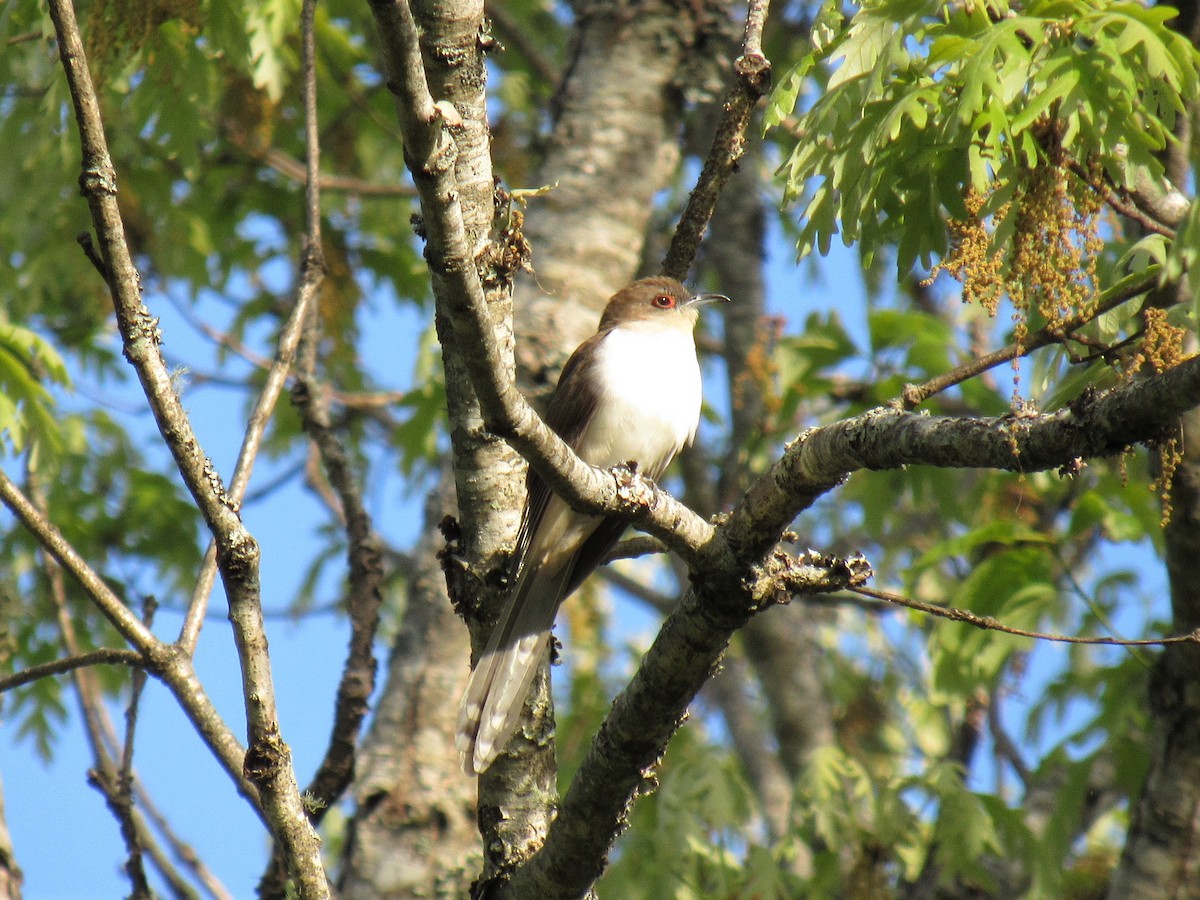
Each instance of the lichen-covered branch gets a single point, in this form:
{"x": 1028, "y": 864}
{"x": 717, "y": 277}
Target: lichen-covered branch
{"x": 267, "y": 761}
{"x": 731, "y": 581}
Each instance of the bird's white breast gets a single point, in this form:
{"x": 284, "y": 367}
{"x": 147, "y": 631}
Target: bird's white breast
{"x": 650, "y": 397}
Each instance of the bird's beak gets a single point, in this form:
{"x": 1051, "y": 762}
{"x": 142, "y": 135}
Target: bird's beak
{"x": 705, "y": 299}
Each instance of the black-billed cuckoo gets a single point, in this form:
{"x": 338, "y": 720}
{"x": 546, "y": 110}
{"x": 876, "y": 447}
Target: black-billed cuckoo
{"x": 629, "y": 393}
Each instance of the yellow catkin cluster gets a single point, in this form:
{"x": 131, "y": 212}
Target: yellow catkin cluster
{"x": 971, "y": 260}
{"x": 1055, "y": 245}
{"x": 1162, "y": 343}
{"x": 1170, "y": 454}
{"x": 1161, "y": 349}
{"x": 1050, "y": 266}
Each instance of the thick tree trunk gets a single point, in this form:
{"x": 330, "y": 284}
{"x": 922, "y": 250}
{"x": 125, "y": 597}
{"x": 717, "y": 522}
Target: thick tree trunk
{"x": 413, "y": 832}
{"x": 1161, "y": 860}
{"x": 612, "y": 149}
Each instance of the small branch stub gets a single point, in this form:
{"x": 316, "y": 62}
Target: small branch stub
{"x": 754, "y": 70}
{"x": 264, "y": 759}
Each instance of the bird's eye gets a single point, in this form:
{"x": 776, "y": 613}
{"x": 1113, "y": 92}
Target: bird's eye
{"x": 664, "y": 301}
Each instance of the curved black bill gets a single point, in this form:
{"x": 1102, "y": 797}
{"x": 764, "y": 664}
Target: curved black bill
{"x": 705, "y": 299}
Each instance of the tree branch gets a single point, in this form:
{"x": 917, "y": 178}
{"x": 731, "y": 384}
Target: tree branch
{"x": 358, "y": 673}
{"x": 267, "y": 762}
{"x": 109, "y": 604}
{"x": 117, "y": 656}
{"x": 752, "y": 72}
{"x": 311, "y": 274}
{"x": 139, "y": 330}
{"x": 987, "y": 623}
{"x": 173, "y": 668}
{"x": 114, "y": 785}
{"x": 1126, "y": 289}
{"x": 365, "y": 548}
{"x": 1094, "y": 425}
{"x": 526, "y": 42}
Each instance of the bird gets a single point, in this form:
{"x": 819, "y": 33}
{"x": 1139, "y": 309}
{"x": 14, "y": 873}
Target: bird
{"x": 629, "y": 394}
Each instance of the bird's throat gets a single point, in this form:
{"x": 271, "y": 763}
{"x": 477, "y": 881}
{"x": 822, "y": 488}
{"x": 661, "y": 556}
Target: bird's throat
{"x": 648, "y": 382}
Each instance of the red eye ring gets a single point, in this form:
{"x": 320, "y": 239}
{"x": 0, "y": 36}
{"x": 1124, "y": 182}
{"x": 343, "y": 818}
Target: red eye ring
{"x": 664, "y": 301}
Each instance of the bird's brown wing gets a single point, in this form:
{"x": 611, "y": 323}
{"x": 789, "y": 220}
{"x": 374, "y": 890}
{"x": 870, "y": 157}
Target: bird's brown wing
{"x": 600, "y": 542}
{"x": 571, "y": 410}
{"x": 491, "y": 705}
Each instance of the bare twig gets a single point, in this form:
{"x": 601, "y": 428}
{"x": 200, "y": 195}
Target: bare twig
{"x": 1122, "y": 292}
{"x": 1131, "y": 210}
{"x": 365, "y": 548}
{"x": 1006, "y": 747}
{"x": 990, "y": 624}
{"x": 104, "y": 656}
{"x": 632, "y": 548}
{"x": 139, "y": 329}
{"x": 154, "y": 818}
{"x": 107, "y": 781}
{"x": 1124, "y": 203}
{"x": 294, "y": 169}
{"x": 52, "y": 540}
{"x": 120, "y": 789}
{"x": 103, "y": 774}
{"x": 180, "y": 849}
{"x": 84, "y": 240}
{"x": 366, "y": 570}
{"x": 277, "y": 374}
{"x": 656, "y": 600}
{"x": 364, "y": 594}
{"x": 100, "y": 731}
{"x": 1162, "y": 200}
{"x": 24, "y": 38}
{"x": 363, "y": 401}
{"x": 217, "y": 336}
{"x": 266, "y": 764}
{"x": 138, "y": 683}
{"x": 753, "y": 79}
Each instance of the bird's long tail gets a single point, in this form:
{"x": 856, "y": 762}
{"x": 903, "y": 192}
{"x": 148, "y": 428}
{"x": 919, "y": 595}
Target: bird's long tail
{"x": 491, "y": 705}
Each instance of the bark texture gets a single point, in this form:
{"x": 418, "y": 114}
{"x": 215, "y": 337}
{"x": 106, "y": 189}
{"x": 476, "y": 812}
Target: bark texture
{"x": 413, "y": 832}
{"x": 613, "y": 146}
{"x": 1161, "y": 860}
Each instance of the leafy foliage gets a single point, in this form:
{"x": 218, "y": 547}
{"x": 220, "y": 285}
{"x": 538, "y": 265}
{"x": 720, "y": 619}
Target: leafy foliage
{"x": 927, "y": 99}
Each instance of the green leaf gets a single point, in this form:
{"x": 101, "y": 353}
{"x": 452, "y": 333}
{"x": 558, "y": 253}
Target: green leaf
{"x": 782, "y": 100}
{"x": 26, "y": 360}
{"x": 868, "y": 39}
{"x": 966, "y": 833}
